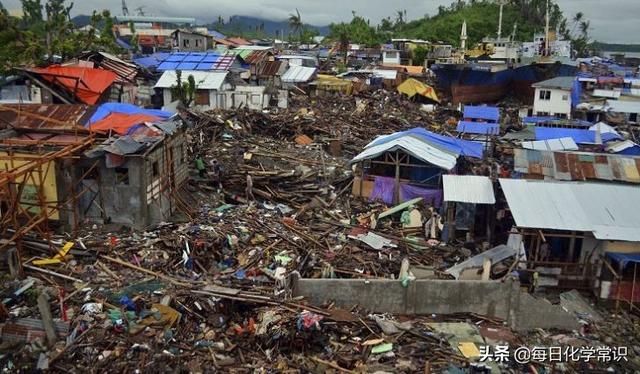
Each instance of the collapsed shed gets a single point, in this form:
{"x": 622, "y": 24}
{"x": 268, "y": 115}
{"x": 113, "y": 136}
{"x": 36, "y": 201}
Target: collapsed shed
{"x": 409, "y": 164}
{"x": 569, "y": 227}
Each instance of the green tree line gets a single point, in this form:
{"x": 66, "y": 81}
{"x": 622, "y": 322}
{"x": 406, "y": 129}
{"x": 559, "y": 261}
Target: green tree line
{"x": 526, "y": 17}
{"x": 45, "y": 31}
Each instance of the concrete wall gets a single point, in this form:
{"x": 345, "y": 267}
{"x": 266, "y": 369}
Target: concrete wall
{"x": 187, "y": 42}
{"x": 489, "y": 298}
{"x": 555, "y": 105}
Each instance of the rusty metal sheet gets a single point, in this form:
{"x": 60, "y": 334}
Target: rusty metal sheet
{"x": 51, "y": 117}
{"x": 256, "y": 57}
{"x": 271, "y": 68}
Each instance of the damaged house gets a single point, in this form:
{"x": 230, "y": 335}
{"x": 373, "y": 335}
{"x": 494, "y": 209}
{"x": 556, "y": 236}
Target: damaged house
{"x": 126, "y": 166}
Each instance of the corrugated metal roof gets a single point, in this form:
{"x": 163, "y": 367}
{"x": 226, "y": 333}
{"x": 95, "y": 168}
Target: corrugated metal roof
{"x": 482, "y": 128}
{"x": 623, "y": 106}
{"x": 256, "y": 56}
{"x": 563, "y": 83}
{"x": 298, "y": 74}
{"x": 577, "y": 166}
{"x": 205, "y": 80}
{"x": 607, "y": 210}
{"x": 482, "y": 112}
{"x": 52, "y": 117}
{"x": 272, "y": 68}
{"x": 616, "y": 147}
{"x": 562, "y": 144}
{"x": 474, "y": 189}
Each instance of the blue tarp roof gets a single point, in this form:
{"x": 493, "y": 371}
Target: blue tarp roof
{"x": 151, "y": 61}
{"x": 217, "y": 34}
{"x": 447, "y": 143}
{"x": 108, "y": 108}
{"x": 123, "y": 44}
{"x": 578, "y": 135}
{"x": 482, "y": 128}
{"x": 182, "y": 61}
{"x": 540, "y": 119}
{"x": 489, "y": 113}
{"x": 624, "y": 258}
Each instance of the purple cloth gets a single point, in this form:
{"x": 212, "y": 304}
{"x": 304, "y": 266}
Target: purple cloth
{"x": 430, "y": 196}
{"x": 383, "y": 189}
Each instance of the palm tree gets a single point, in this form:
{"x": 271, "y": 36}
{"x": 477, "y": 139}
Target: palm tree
{"x": 295, "y": 23}
{"x": 584, "y": 28}
{"x": 576, "y": 21}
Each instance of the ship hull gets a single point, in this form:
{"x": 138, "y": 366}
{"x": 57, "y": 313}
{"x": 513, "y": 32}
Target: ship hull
{"x": 473, "y": 84}
{"x": 526, "y": 75}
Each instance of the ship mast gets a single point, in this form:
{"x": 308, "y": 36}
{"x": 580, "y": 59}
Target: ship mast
{"x": 546, "y": 32}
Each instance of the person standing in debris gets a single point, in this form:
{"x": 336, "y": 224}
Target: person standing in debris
{"x": 202, "y": 170}
{"x": 217, "y": 174}
{"x": 249, "y": 190}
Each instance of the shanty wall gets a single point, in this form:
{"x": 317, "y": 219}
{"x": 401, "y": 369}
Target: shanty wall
{"x": 165, "y": 170}
{"x": 123, "y": 203}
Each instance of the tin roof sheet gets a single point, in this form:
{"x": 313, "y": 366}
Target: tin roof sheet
{"x": 607, "y": 210}
{"x": 49, "y": 117}
{"x": 474, "y": 189}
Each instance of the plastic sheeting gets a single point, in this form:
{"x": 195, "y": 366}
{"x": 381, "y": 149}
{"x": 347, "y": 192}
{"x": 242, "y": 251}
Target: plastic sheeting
{"x": 578, "y": 135}
{"x": 121, "y": 123}
{"x": 86, "y": 84}
{"x": 412, "y": 87}
{"x": 383, "y": 189}
{"x": 453, "y": 145}
{"x": 414, "y": 147}
{"x": 488, "y": 113}
{"x": 429, "y": 196}
{"x": 108, "y": 108}
{"x": 481, "y": 128}
{"x": 624, "y": 258}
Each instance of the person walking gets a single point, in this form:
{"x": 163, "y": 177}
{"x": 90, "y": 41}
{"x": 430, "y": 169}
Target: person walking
{"x": 202, "y": 170}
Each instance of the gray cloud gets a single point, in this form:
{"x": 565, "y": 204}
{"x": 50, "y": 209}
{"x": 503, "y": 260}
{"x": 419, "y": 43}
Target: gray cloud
{"x": 611, "y": 20}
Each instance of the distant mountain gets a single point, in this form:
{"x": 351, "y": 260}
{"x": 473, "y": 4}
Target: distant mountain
{"x": 613, "y": 47}
{"x": 81, "y": 20}
{"x": 244, "y": 24}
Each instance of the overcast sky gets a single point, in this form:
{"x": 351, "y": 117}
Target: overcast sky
{"x": 611, "y": 20}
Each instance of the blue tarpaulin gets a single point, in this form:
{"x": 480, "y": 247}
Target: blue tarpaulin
{"x": 540, "y": 119}
{"x": 578, "y": 135}
{"x": 488, "y": 113}
{"x": 217, "y": 34}
{"x": 482, "y": 128}
{"x": 151, "y": 61}
{"x": 447, "y": 143}
{"x": 576, "y": 93}
{"x": 624, "y": 258}
{"x": 108, "y": 108}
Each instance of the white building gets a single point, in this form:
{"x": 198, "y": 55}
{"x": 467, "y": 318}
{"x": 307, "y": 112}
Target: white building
{"x": 215, "y": 91}
{"x": 553, "y": 97}
{"x": 390, "y": 57}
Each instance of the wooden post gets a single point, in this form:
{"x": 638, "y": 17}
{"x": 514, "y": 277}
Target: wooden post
{"x": 396, "y": 195}
{"x": 572, "y": 244}
{"x": 47, "y": 319}
{"x": 451, "y": 209}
